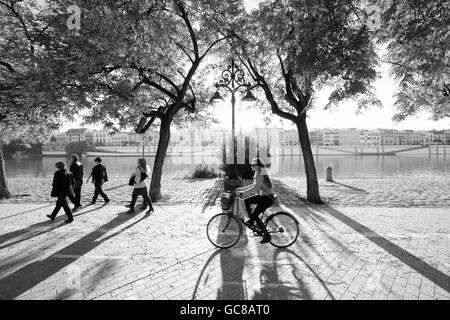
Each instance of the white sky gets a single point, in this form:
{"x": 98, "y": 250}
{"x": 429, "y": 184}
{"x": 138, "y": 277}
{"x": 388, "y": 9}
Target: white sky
{"x": 346, "y": 116}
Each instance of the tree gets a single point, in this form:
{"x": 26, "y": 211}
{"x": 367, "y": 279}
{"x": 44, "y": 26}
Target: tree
{"x": 144, "y": 63}
{"x": 418, "y": 41}
{"x": 78, "y": 147}
{"x": 295, "y": 48}
{"x": 30, "y": 102}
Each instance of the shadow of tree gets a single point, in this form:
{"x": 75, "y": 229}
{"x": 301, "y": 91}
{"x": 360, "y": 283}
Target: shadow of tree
{"x": 34, "y": 273}
{"x": 415, "y": 263}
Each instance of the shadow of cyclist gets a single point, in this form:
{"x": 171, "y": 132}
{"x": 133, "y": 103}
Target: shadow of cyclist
{"x": 282, "y": 279}
{"x": 224, "y": 269}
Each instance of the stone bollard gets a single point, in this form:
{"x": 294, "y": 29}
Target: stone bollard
{"x": 330, "y": 174}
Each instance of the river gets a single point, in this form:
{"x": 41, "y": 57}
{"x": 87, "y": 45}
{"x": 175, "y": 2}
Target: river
{"x": 282, "y": 166}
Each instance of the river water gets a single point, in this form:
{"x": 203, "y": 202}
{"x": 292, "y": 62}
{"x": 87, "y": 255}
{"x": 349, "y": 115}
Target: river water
{"x": 282, "y": 166}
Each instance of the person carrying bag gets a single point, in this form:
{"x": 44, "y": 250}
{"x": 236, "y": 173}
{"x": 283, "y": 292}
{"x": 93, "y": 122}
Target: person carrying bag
{"x": 139, "y": 181}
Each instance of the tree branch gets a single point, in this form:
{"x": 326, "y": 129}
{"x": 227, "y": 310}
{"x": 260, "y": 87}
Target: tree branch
{"x": 169, "y": 81}
{"x": 183, "y": 14}
{"x": 183, "y": 48}
{"x": 21, "y": 21}
{"x": 214, "y": 43}
{"x": 269, "y": 96}
{"x": 289, "y": 96}
{"x": 7, "y": 66}
{"x": 152, "y": 83}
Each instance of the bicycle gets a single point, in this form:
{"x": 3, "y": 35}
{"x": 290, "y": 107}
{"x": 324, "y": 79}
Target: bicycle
{"x": 225, "y": 229}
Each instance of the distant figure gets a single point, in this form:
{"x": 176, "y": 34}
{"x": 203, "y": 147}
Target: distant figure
{"x": 263, "y": 199}
{"x": 61, "y": 189}
{"x": 139, "y": 180}
{"x": 76, "y": 168}
{"x": 99, "y": 176}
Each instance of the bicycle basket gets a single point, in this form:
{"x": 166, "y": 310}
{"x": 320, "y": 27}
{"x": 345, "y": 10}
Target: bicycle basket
{"x": 225, "y": 200}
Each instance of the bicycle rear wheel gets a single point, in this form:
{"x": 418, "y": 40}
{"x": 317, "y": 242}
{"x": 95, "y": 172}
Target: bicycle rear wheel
{"x": 223, "y": 230}
{"x": 283, "y": 228}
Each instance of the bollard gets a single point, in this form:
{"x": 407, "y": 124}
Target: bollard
{"x": 330, "y": 174}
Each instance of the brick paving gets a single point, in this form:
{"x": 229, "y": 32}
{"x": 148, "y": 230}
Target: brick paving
{"x": 395, "y": 191}
{"x": 376, "y": 239}
{"x": 403, "y": 191}
{"x": 343, "y": 253}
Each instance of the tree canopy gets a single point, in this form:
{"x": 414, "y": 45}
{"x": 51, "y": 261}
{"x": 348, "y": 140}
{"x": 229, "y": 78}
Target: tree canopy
{"x": 417, "y": 34}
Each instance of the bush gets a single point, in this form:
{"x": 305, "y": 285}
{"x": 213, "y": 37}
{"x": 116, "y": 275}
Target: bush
{"x": 204, "y": 172}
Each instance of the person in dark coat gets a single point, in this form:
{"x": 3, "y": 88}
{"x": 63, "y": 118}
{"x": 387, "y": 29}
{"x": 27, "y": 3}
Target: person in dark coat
{"x": 61, "y": 189}
{"x": 76, "y": 168}
{"x": 99, "y": 176}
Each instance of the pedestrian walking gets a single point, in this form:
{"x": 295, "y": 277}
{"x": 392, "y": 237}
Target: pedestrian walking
{"x": 99, "y": 176}
{"x": 61, "y": 189}
{"x": 76, "y": 168}
{"x": 139, "y": 181}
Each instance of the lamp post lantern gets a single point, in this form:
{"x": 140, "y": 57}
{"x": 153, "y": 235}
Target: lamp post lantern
{"x": 233, "y": 80}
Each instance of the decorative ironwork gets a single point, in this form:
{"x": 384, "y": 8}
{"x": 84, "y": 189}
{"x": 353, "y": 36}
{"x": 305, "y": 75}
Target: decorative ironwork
{"x": 233, "y": 78}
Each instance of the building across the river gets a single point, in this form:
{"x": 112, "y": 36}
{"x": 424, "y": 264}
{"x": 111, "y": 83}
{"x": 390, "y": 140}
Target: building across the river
{"x": 262, "y": 136}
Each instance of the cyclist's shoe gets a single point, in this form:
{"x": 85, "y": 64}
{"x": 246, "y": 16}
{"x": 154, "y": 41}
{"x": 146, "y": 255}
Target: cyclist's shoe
{"x": 266, "y": 239}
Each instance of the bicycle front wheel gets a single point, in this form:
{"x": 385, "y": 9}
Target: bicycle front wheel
{"x": 223, "y": 230}
{"x": 283, "y": 229}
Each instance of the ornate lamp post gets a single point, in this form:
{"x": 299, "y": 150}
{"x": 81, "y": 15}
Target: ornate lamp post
{"x": 233, "y": 80}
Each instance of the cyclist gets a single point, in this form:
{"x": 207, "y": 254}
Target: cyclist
{"x": 264, "y": 198}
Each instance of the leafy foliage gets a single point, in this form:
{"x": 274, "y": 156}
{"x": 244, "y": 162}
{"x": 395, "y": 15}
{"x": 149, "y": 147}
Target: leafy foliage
{"x": 295, "y": 48}
{"x": 204, "y": 172}
{"x": 418, "y": 41}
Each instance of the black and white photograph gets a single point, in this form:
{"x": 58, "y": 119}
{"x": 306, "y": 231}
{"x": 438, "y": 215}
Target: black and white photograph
{"x": 246, "y": 152}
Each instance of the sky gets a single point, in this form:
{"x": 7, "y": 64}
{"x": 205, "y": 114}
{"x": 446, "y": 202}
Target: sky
{"x": 345, "y": 116}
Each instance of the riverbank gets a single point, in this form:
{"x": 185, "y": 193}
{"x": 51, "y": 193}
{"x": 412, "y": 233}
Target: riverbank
{"x": 214, "y": 151}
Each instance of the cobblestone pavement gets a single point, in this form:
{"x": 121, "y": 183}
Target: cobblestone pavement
{"x": 37, "y": 190}
{"x": 405, "y": 191}
{"x": 414, "y": 191}
{"x": 343, "y": 253}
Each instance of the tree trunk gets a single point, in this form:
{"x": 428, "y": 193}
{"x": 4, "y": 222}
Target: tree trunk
{"x": 164, "y": 138}
{"x": 4, "y": 192}
{"x": 312, "y": 185}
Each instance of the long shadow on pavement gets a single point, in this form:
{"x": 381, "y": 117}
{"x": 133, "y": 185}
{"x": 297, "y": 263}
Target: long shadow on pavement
{"x": 425, "y": 269}
{"x": 274, "y": 288}
{"x": 28, "y": 211}
{"x": 35, "y": 230}
{"x": 231, "y": 262}
{"x": 30, "y": 232}
{"x": 34, "y": 273}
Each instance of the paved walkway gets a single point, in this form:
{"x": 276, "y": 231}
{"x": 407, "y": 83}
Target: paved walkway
{"x": 343, "y": 253}
{"x": 396, "y": 191}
